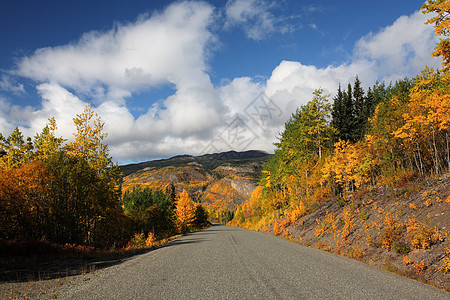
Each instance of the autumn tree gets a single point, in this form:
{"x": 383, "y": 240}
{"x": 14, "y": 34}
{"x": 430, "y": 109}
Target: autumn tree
{"x": 15, "y": 150}
{"x": 90, "y": 143}
{"x": 46, "y": 143}
{"x": 441, "y": 23}
{"x": 425, "y": 131}
{"x": 24, "y": 206}
{"x": 185, "y": 211}
{"x": 149, "y": 210}
{"x": 84, "y": 208}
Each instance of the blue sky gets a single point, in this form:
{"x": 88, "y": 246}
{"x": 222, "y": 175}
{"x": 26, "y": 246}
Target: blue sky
{"x": 195, "y": 77}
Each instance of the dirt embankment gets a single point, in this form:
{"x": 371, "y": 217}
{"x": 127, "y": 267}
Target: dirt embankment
{"x": 403, "y": 229}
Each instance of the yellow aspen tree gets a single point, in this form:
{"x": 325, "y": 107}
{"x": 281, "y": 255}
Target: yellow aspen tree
{"x": 426, "y": 121}
{"x": 89, "y": 141}
{"x": 46, "y": 143}
{"x": 442, "y": 27}
{"x": 185, "y": 211}
{"x": 14, "y": 150}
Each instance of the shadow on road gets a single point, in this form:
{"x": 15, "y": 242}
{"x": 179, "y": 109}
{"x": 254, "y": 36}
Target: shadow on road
{"x": 65, "y": 267}
{"x": 62, "y": 267}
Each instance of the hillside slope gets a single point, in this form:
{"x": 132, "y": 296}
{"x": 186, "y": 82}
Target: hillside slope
{"x": 220, "y": 181}
{"x": 404, "y": 229}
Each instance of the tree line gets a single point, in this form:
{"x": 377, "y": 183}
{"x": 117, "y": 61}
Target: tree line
{"x": 363, "y": 139}
{"x": 70, "y": 192}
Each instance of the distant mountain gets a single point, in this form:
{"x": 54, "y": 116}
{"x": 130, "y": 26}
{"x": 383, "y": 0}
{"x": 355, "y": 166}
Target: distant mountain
{"x": 207, "y": 161}
{"x": 220, "y": 181}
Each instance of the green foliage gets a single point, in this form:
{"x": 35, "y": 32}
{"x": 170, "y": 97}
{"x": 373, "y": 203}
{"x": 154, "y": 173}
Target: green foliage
{"x": 201, "y": 216}
{"x": 82, "y": 203}
{"x": 150, "y": 210}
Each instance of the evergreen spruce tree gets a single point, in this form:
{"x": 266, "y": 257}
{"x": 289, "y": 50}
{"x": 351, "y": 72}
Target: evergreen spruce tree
{"x": 358, "y": 129}
{"x": 369, "y": 109}
{"x": 336, "y": 113}
{"x": 347, "y": 116}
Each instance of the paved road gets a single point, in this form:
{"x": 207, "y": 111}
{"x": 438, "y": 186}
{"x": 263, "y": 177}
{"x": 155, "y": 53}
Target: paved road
{"x": 228, "y": 263}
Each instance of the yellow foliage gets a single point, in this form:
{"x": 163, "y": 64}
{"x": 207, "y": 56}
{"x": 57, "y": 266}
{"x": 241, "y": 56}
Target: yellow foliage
{"x": 407, "y": 260}
{"x": 185, "y": 211}
{"x": 277, "y": 228}
{"x": 441, "y": 20}
{"x": 392, "y": 230}
{"x": 445, "y": 267}
{"x": 150, "y": 239}
{"x": 137, "y": 241}
{"x": 421, "y": 236}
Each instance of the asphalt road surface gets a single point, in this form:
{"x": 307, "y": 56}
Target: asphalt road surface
{"x": 223, "y": 262}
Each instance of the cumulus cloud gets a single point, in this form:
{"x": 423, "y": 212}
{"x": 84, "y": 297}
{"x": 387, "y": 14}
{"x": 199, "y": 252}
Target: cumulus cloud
{"x": 7, "y": 85}
{"x": 165, "y": 46}
{"x": 255, "y": 17}
{"x": 172, "y": 48}
{"x": 400, "y": 50}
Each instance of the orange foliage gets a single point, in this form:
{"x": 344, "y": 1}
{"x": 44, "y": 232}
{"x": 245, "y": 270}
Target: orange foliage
{"x": 392, "y": 230}
{"x": 419, "y": 267}
{"x": 185, "y": 211}
{"x": 23, "y": 198}
{"x": 277, "y": 228}
{"x": 348, "y": 224}
{"x": 421, "y": 235}
{"x": 406, "y": 260}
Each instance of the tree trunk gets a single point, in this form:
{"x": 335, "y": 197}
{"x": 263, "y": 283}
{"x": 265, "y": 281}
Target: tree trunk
{"x": 448, "y": 151}
{"x": 436, "y": 163}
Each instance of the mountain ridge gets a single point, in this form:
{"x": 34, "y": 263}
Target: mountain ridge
{"x": 208, "y": 161}
{"x": 220, "y": 181}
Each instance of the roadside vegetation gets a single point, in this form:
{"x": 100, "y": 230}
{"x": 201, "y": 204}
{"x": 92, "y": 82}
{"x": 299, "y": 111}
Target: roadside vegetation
{"x": 64, "y": 198}
{"x": 368, "y": 175}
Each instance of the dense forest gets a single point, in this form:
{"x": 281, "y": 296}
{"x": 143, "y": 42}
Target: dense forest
{"x": 70, "y": 193}
{"x": 364, "y": 139}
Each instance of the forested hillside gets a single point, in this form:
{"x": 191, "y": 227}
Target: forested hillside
{"x": 384, "y": 149}
{"x": 219, "y": 181}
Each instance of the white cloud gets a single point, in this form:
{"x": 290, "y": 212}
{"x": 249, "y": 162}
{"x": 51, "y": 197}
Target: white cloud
{"x": 130, "y": 57}
{"x": 255, "y": 17}
{"x": 7, "y": 85}
{"x": 172, "y": 47}
{"x": 168, "y": 47}
{"x": 400, "y": 50}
